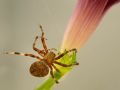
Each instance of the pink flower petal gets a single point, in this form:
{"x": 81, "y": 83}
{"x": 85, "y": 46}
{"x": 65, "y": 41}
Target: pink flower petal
{"x": 85, "y": 19}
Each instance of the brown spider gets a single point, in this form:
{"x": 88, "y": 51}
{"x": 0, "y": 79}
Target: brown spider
{"x": 41, "y": 67}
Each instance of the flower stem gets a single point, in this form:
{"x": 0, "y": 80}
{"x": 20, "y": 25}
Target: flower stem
{"x": 67, "y": 59}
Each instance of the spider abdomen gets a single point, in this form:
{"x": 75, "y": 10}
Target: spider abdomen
{"x": 39, "y": 69}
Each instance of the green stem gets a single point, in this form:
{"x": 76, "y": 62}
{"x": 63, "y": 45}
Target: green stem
{"x": 48, "y": 84}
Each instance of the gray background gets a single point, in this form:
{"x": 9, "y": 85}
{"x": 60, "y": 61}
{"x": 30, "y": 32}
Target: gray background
{"x": 19, "y": 23}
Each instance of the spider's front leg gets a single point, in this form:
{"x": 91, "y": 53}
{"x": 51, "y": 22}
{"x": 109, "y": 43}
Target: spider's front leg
{"x": 66, "y": 65}
{"x": 43, "y": 40}
{"x": 53, "y": 49}
{"x": 41, "y": 52}
{"x": 61, "y": 55}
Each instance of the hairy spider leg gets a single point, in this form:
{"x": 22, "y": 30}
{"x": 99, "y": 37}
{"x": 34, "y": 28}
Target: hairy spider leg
{"x": 43, "y": 40}
{"x": 53, "y": 49}
{"x": 23, "y": 54}
{"x": 41, "y": 52}
{"x": 61, "y": 55}
{"x": 56, "y": 68}
{"x": 52, "y": 75}
{"x": 66, "y": 65}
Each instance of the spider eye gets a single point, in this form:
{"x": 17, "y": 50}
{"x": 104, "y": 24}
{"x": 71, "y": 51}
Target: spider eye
{"x": 39, "y": 69}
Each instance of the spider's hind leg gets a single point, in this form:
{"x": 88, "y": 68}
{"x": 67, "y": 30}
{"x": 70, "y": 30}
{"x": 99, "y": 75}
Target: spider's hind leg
{"x": 22, "y": 54}
{"x": 52, "y": 75}
{"x": 56, "y": 68}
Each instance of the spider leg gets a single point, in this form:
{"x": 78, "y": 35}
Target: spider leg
{"x": 23, "y": 54}
{"x": 43, "y": 40}
{"x": 41, "y": 52}
{"x": 56, "y": 68}
{"x": 61, "y": 55}
{"x": 66, "y": 65}
{"x": 53, "y": 49}
{"x": 52, "y": 75}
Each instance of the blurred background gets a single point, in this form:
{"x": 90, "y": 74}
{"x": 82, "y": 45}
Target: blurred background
{"x": 19, "y": 24}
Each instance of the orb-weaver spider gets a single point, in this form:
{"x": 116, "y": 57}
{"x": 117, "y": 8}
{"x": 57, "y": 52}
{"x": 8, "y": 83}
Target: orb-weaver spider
{"x": 41, "y": 67}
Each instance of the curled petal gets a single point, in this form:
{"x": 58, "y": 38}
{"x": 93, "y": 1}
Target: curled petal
{"x": 85, "y": 19}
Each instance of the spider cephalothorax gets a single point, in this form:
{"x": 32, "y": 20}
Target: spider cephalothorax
{"x": 49, "y": 58}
